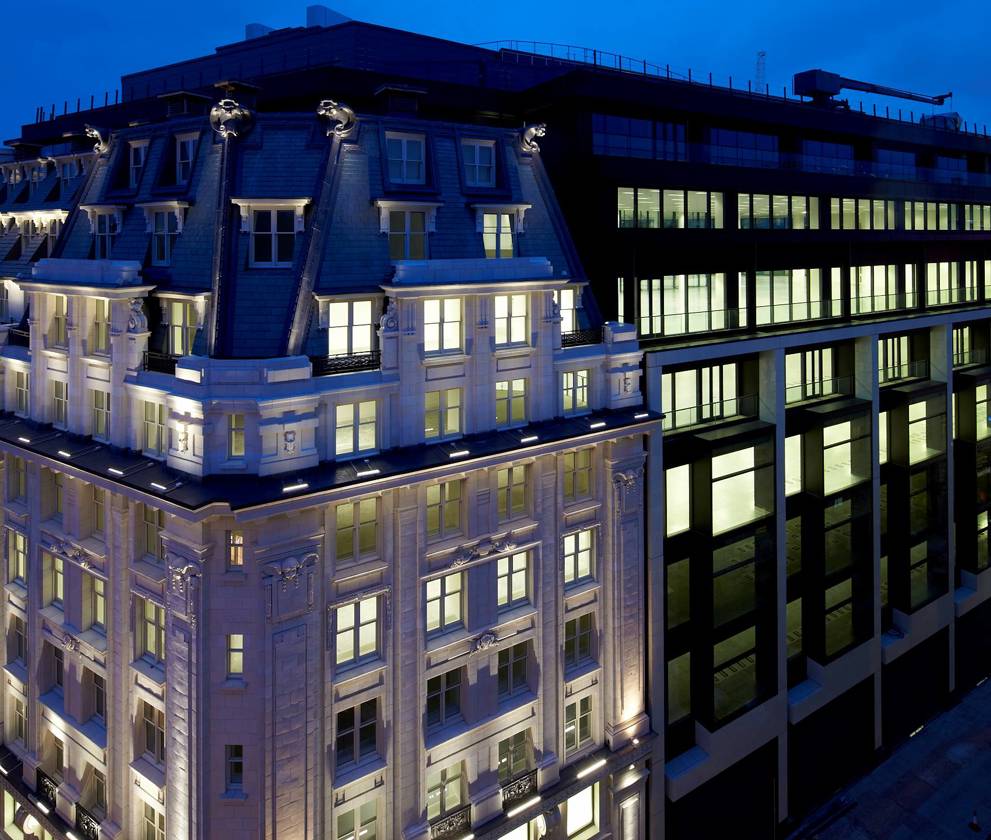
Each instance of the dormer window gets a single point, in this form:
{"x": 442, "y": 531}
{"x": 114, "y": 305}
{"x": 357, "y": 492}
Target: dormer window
{"x": 105, "y": 221}
{"x": 273, "y": 225}
{"x": 185, "y": 148}
{"x": 479, "y": 162}
{"x": 407, "y": 235}
{"x": 349, "y": 327}
{"x": 497, "y": 235}
{"x": 138, "y": 152}
{"x": 406, "y": 158}
{"x": 69, "y": 169}
{"x": 182, "y": 327}
{"x": 163, "y": 220}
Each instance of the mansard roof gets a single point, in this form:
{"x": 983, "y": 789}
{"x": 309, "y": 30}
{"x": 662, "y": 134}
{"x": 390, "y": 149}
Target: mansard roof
{"x": 338, "y": 186}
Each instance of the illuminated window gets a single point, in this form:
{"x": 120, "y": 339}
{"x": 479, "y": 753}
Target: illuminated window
{"x": 577, "y": 725}
{"x": 513, "y": 580}
{"x": 60, "y": 403}
{"x": 101, "y": 326}
{"x": 356, "y": 630}
{"x": 581, "y": 811}
{"x": 234, "y": 549}
{"x": 577, "y": 474}
{"x": 355, "y": 428}
{"x": 356, "y": 529}
{"x": 574, "y": 385}
{"x": 358, "y": 823}
{"x": 510, "y": 319}
{"x": 444, "y": 601}
{"x": 441, "y": 325}
{"x": 154, "y": 823}
{"x": 154, "y": 732}
{"x": 235, "y": 435}
{"x": 235, "y": 654}
{"x": 182, "y": 327}
{"x": 17, "y": 557}
{"x": 150, "y": 523}
{"x": 101, "y": 414}
{"x": 21, "y": 391}
{"x": 579, "y": 555}
{"x": 155, "y": 439}
{"x": 497, "y": 235}
{"x": 151, "y": 632}
{"x": 350, "y": 330}
{"x": 445, "y": 791}
{"x": 510, "y": 398}
{"x": 58, "y": 332}
{"x": 442, "y": 413}
{"x": 444, "y": 508}
{"x": 511, "y": 492}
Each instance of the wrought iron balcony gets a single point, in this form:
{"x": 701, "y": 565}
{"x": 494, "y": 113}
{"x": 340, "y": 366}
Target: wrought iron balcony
{"x": 592, "y": 335}
{"x": 519, "y": 789}
{"x": 159, "y": 362}
{"x": 327, "y": 365}
{"x": 46, "y": 787}
{"x": 86, "y": 823}
{"x": 455, "y": 824}
{"x": 19, "y": 338}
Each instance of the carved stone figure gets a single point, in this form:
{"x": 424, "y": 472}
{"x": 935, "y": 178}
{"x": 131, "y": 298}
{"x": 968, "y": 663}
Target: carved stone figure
{"x": 340, "y": 114}
{"x": 289, "y": 442}
{"x": 137, "y": 321}
{"x": 528, "y": 140}
{"x": 229, "y": 119}
{"x": 102, "y": 146}
{"x": 483, "y": 642}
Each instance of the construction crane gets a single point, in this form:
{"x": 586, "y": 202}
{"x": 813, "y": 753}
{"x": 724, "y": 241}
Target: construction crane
{"x": 821, "y": 86}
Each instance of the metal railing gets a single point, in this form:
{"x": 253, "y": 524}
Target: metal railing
{"x": 455, "y": 824}
{"x": 327, "y": 365}
{"x": 18, "y": 338}
{"x": 970, "y": 357}
{"x": 520, "y": 788}
{"x": 907, "y": 370}
{"x": 819, "y": 389}
{"x": 744, "y": 405}
{"x": 46, "y": 787}
{"x": 159, "y": 362}
{"x": 86, "y": 823}
{"x": 591, "y": 335}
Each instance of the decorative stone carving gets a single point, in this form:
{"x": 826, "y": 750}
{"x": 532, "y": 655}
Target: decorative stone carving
{"x": 340, "y": 114}
{"x": 182, "y": 440}
{"x": 70, "y": 643}
{"x": 289, "y": 442}
{"x": 528, "y": 140}
{"x": 483, "y": 642}
{"x": 137, "y": 321}
{"x": 628, "y": 489}
{"x": 102, "y": 146}
{"x": 289, "y": 570}
{"x": 389, "y": 322}
{"x": 289, "y": 598}
{"x": 229, "y": 119}
{"x": 68, "y": 551}
{"x": 468, "y": 554}
{"x": 180, "y": 575}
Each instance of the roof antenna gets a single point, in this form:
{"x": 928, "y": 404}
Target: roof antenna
{"x": 760, "y": 74}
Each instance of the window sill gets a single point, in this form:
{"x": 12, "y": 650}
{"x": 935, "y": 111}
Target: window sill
{"x": 156, "y": 673}
{"x": 151, "y": 571}
{"x": 447, "y": 731}
{"x": 354, "y": 772}
{"x": 515, "y": 701}
{"x": 352, "y": 670}
{"x": 234, "y": 577}
{"x": 517, "y": 349}
{"x": 234, "y": 796}
{"x": 581, "y": 670}
{"x": 17, "y": 589}
{"x": 445, "y": 357}
{"x": 580, "y": 587}
{"x": 54, "y": 614}
{"x": 95, "y": 639}
{"x": 153, "y": 773}
{"x": 234, "y": 685}
{"x": 18, "y": 670}
{"x": 506, "y": 615}
{"x": 438, "y": 639}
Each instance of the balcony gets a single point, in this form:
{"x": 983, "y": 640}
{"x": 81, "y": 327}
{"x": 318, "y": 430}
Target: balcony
{"x": 18, "y": 338}
{"x": 819, "y": 389}
{"x": 965, "y": 358}
{"x": 86, "y": 823}
{"x": 329, "y": 365}
{"x": 519, "y": 789}
{"x": 455, "y": 824}
{"x": 697, "y": 415}
{"x": 907, "y": 370}
{"x": 576, "y": 338}
{"x": 159, "y": 362}
{"x": 46, "y": 788}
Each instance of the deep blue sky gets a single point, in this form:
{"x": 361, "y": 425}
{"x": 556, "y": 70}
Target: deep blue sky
{"x": 73, "y": 49}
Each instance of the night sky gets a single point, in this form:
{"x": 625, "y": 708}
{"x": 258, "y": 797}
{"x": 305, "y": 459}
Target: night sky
{"x": 67, "y": 50}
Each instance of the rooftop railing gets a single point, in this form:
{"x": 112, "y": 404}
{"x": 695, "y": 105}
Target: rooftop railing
{"x": 159, "y": 362}
{"x": 328, "y": 365}
{"x": 575, "y": 338}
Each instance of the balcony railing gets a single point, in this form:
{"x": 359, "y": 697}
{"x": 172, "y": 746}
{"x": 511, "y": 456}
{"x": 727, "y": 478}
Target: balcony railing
{"x": 46, "y": 787}
{"x": 819, "y": 389}
{"x": 521, "y": 788}
{"x": 970, "y": 357}
{"x": 19, "y": 338}
{"x": 86, "y": 823}
{"x": 159, "y": 362}
{"x": 327, "y": 365}
{"x": 455, "y": 824}
{"x": 907, "y": 370}
{"x": 744, "y": 405}
{"x": 579, "y": 337}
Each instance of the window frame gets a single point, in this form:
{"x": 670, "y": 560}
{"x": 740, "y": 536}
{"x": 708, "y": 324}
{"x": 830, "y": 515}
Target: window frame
{"x": 447, "y": 688}
{"x": 404, "y": 160}
{"x": 444, "y": 411}
{"x": 437, "y": 333}
{"x": 573, "y": 552}
{"x": 363, "y": 416}
{"x": 510, "y": 570}
{"x": 359, "y": 623}
{"x": 274, "y": 235}
{"x": 511, "y": 326}
{"x": 365, "y": 715}
{"x": 575, "y": 387}
{"x": 445, "y": 598}
{"x": 468, "y": 166}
